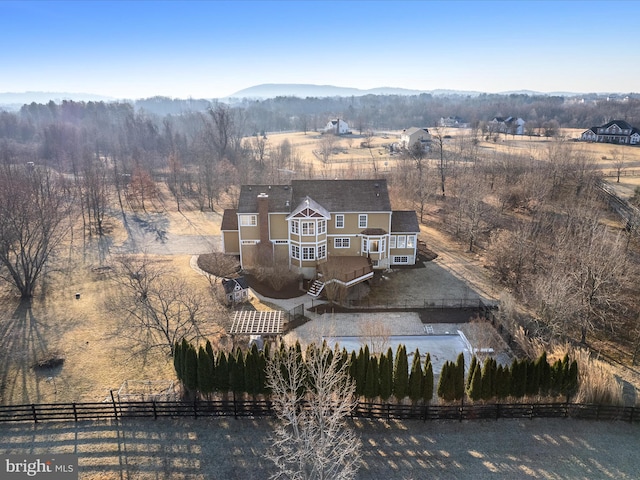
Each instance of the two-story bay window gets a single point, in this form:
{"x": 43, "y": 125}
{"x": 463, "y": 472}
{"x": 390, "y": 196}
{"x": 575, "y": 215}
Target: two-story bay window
{"x": 295, "y": 251}
{"x": 362, "y": 221}
{"x": 308, "y": 253}
{"x": 341, "y": 242}
{"x": 308, "y": 228}
{"x": 339, "y": 221}
{"x": 295, "y": 227}
{"x": 248, "y": 220}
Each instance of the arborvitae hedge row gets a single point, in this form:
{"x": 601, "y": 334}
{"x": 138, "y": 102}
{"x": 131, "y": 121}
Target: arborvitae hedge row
{"x": 381, "y": 376}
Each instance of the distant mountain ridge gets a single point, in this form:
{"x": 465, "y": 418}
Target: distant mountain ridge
{"x": 303, "y": 90}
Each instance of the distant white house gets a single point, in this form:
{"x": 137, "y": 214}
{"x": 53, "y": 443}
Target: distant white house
{"x": 511, "y": 125}
{"x": 337, "y": 126}
{"x": 410, "y": 136}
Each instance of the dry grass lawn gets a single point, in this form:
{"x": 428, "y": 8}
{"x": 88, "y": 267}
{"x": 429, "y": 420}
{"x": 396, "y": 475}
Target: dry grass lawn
{"x": 96, "y": 350}
{"x": 211, "y": 449}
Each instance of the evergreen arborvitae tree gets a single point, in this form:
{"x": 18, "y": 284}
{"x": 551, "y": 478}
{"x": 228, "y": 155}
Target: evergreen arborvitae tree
{"x": 489, "y": 379}
{"x": 191, "y": 369}
{"x": 262, "y": 372}
{"x": 503, "y": 382}
{"x": 371, "y": 389}
{"x": 177, "y": 360}
{"x": 544, "y": 374}
{"x": 533, "y": 381}
{"x": 184, "y": 348}
{"x": 475, "y": 387}
{"x": 353, "y": 367}
{"x": 415, "y": 378}
{"x": 205, "y": 372}
{"x": 386, "y": 377}
{"x": 221, "y": 373}
{"x": 556, "y": 378}
{"x": 401, "y": 374}
{"x": 459, "y": 377}
{"x": 363, "y": 364}
{"x": 427, "y": 381}
{"x": 237, "y": 372}
{"x": 251, "y": 379}
{"x": 518, "y": 379}
{"x": 472, "y": 368}
{"x": 209, "y": 350}
{"x": 446, "y": 389}
{"x": 572, "y": 380}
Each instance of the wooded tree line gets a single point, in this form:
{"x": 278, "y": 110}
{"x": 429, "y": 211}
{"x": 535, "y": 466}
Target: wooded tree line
{"x": 545, "y": 227}
{"x": 381, "y": 376}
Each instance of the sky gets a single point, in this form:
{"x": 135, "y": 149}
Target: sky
{"x": 211, "y": 49}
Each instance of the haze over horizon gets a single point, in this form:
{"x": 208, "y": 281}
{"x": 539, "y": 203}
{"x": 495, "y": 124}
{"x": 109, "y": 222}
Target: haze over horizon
{"x": 212, "y": 49}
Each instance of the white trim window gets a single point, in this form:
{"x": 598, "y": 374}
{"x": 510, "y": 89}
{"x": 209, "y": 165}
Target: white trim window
{"x": 295, "y": 251}
{"x": 341, "y": 242}
{"x": 295, "y": 227}
{"x": 402, "y": 241}
{"x": 248, "y": 220}
{"x": 322, "y": 226}
{"x": 308, "y": 228}
{"x": 308, "y": 253}
{"x": 322, "y": 251}
{"x": 281, "y": 242}
{"x": 365, "y": 245}
{"x": 339, "y": 221}
{"x": 411, "y": 241}
{"x": 401, "y": 259}
{"x": 362, "y": 221}
{"x": 250, "y": 242}
{"x": 392, "y": 241}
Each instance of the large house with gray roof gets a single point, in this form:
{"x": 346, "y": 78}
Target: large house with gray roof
{"x": 338, "y": 230}
{"x": 615, "y": 131}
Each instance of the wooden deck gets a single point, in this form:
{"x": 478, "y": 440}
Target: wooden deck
{"x": 348, "y": 270}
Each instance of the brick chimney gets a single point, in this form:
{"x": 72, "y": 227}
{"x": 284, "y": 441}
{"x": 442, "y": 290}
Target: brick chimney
{"x": 265, "y": 249}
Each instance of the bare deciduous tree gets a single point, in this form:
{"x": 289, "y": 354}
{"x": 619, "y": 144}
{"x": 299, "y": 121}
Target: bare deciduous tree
{"x": 326, "y": 145}
{"x": 312, "y": 398}
{"x": 375, "y": 333}
{"x": 157, "y": 308}
{"x": 33, "y": 207}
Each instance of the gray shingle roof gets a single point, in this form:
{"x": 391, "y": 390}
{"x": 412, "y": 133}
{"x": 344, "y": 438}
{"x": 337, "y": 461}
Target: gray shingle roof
{"x": 344, "y": 195}
{"x": 404, "y": 221}
{"x": 229, "y": 219}
{"x": 333, "y": 195}
{"x": 279, "y": 195}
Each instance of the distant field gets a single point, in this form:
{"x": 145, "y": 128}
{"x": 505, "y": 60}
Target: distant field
{"x": 349, "y": 155}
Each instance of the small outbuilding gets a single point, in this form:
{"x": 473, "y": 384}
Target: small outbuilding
{"x": 236, "y": 290}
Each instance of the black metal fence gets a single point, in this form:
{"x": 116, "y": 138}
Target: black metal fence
{"x": 263, "y": 408}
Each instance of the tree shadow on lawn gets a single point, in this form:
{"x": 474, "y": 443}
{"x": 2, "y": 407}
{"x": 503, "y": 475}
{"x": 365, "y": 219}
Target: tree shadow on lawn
{"x": 29, "y": 351}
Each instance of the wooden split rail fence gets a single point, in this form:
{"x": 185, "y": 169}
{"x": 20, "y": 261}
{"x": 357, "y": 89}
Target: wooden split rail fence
{"x": 262, "y": 408}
